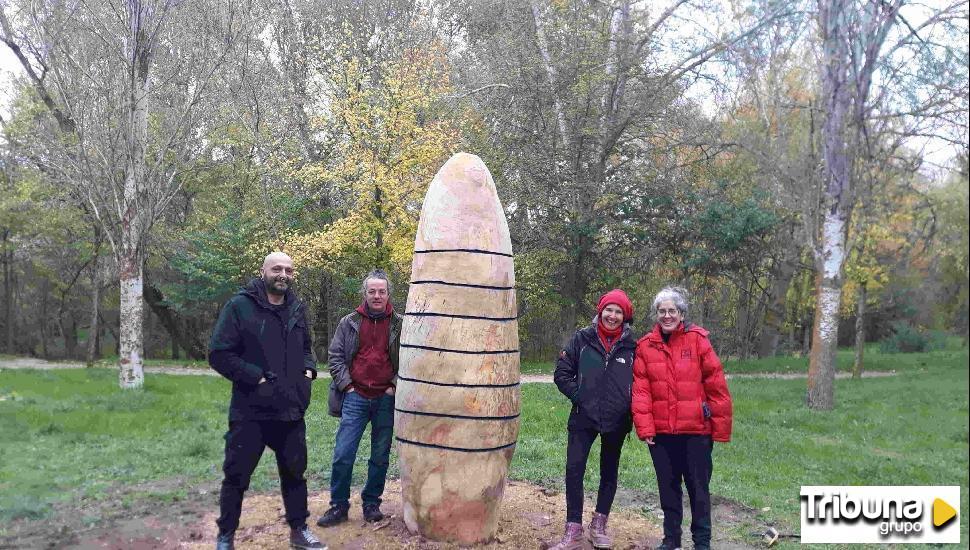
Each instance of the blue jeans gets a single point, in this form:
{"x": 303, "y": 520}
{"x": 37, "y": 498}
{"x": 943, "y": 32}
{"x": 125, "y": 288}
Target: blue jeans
{"x": 357, "y": 412}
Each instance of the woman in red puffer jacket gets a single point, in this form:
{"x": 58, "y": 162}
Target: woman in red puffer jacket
{"x": 681, "y": 405}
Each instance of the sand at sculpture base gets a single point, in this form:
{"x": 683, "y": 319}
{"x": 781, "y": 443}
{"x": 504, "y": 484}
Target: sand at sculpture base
{"x": 529, "y": 519}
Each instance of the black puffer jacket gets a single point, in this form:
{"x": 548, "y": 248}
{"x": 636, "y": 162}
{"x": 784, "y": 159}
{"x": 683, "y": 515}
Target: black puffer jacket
{"x": 599, "y": 384}
{"x": 252, "y": 340}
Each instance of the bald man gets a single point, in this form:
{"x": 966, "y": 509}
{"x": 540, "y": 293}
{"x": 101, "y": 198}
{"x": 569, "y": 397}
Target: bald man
{"x": 262, "y": 345}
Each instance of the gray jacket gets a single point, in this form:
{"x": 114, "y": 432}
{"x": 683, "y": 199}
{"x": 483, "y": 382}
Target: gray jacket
{"x": 346, "y": 343}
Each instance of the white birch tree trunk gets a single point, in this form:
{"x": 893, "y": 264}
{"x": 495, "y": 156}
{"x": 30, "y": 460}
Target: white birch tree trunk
{"x": 830, "y": 252}
{"x": 828, "y": 299}
{"x": 130, "y": 366}
{"x": 131, "y": 373}
{"x": 852, "y": 37}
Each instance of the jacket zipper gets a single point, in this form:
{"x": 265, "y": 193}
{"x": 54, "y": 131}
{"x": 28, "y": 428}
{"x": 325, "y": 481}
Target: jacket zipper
{"x": 672, "y": 408}
{"x": 606, "y": 370}
{"x": 285, "y": 324}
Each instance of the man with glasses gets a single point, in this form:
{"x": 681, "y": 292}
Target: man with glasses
{"x": 363, "y": 364}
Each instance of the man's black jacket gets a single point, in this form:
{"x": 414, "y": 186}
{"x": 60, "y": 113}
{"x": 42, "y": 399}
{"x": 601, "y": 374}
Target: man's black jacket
{"x": 254, "y": 339}
{"x": 599, "y": 384}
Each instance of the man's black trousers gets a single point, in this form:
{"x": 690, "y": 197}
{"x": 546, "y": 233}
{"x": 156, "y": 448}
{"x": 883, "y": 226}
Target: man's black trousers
{"x": 245, "y": 442}
{"x": 577, "y": 453}
{"x": 684, "y": 459}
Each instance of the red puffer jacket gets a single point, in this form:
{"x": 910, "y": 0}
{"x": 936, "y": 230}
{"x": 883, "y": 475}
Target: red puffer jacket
{"x": 674, "y": 383}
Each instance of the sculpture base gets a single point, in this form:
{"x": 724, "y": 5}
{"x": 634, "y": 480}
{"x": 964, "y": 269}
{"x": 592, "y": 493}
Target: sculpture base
{"x": 452, "y": 496}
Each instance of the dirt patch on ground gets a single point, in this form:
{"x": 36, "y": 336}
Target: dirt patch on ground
{"x": 726, "y": 515}
{"x": 150, "y": 515}
{"x": 531, "y": 517}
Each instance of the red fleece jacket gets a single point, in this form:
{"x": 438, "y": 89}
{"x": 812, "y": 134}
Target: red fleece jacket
{"x": 371, "y": 370}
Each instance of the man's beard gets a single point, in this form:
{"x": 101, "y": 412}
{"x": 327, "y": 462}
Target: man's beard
{"x": 271, "y": 285}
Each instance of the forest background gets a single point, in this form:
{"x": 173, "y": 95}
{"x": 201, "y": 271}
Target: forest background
{"x": 800, "y": 167}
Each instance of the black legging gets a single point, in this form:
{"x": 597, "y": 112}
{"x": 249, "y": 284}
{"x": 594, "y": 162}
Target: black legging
{"x": 577, "y": 452}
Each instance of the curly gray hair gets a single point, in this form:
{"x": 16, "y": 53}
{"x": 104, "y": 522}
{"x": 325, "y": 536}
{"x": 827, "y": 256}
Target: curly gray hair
{"x": 676, "y": 295}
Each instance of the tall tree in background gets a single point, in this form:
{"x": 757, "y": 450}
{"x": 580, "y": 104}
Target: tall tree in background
{"x": 891, "y": 227}
{"x": 852, "y": 35}
{"x": 919, "y": 84}
{"x": 329, "y": 104}
{"x": 397, "y": 132}
{"x": 590, "y": 119}
{"x": 129, "y": 86}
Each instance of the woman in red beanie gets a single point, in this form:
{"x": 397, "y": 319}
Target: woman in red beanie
{"x": 595, "y": 371}
{"x": 681, "y": 405}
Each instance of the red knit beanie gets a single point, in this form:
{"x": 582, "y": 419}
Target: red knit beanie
{"x": 618, "y": 297}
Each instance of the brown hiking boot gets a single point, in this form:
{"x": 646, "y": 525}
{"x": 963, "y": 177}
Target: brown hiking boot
{"x": 572, "y": 539}
{"x": 597, "y": 531}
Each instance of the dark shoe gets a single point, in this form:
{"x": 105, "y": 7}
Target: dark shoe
{"x": 702, "y": 546}
{"x": 225, "y": 541}
{"x": 572, "y": 538}
{"x": 669, "y": 545}
{"x": 597, "y": 531}
{"x": 333, "y": 516}
{"x": 372, "y": 513}
{"x": 304, "y": 539}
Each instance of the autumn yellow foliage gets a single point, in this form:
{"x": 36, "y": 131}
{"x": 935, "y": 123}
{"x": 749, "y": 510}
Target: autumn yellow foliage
{"x": 395, "y": 127}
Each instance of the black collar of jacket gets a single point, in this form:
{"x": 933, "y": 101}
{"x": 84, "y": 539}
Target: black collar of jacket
{"x": 626, "y": 339}
{"x": 356, "y": 316}
{"x": 256, "y": 291}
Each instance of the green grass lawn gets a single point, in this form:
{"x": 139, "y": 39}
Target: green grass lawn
{"x": 537, "y": 367}
{"x": 69, "y": 434}
{"x": 73, "y": 433}
{"x": 873, "y": 360}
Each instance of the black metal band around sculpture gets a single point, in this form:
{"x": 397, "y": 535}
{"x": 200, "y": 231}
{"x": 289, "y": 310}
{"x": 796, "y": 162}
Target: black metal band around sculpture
{"x": 456, "y": 384}
{"x": 457, "y": 416}
{"x": 468, "y": 250}
{"x": 466, "y": 285}
{"x": 458, "y": 449}
{"x": 454, "y": 316}
{"x": 466, "y": 352}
